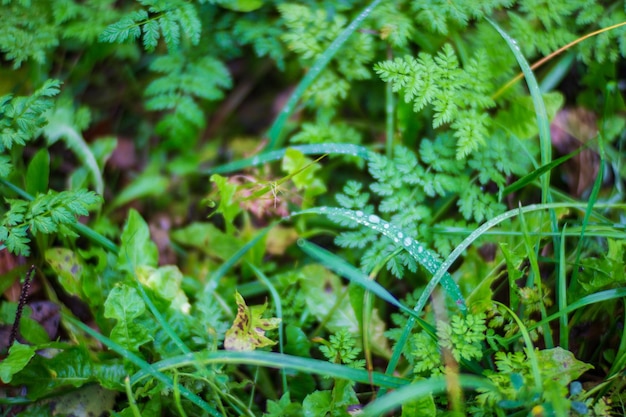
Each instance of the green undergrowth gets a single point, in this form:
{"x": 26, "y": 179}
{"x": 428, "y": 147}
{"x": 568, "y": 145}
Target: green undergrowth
{"x": 332, "y": 208}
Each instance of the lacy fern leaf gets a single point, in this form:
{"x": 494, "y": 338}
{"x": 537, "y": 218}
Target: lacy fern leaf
{"x": 22, "y": 117}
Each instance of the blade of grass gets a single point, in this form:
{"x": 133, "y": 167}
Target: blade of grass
{"x": 562, "y": 295}
{"x": 279, "y": 314}
{"x": 271, "y": 360}
{"x": 529, "y": 178}
{"x": 143, "y": 365}
{"x": 530, "y": 348}
{"x": 264, "y": 190}
{"x": 545, "y": 142}
{"x": 555, "y": 53}
{"x": 593, "y": 198}
{"x": 317, "y": 67}
{"x": 422, "y": 389}
{"x": 534, "y": 279}
{"x": 389, "y": 113}
{"x": 595, "y": 298}
{"x": 401, "y": 239}
{"x": 540, "y": 108}
{"x": 316, "y": 149}
{"x": 132, "y": 403}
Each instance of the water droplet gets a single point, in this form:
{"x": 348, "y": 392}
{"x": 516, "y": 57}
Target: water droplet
{"x": 420, "y": 249}
{"x": 407, "y": 241}
{"x": 359, "y": 213}
{"x": 322, "y": 208}
{"x": 400, "y": 235}
{"x": 374, "y": 219}
{"x": 386, "y": 225}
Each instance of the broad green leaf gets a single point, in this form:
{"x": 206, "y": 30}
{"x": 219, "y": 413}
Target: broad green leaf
{"x": 91, "y": 400}
{"x": 317, "y": 404}
{"x": 242, "y": 5}
{"x": 283, "y": 408}
{"x": 303, "y": 171}
{"x": 19, "y": 356}
{"x": 248, "y": 330}
{"x": 207, "y": 238}
{"x": 136, "y": 246}
{"x": 228, "y": 206}
{"x": 38, "y": 173}
{"x": 66, "y": 123}
{"x": 33, "y": 332}
{"x": 149, "y": 183}
{"x": 127, "y": 307}
{"x": 166, "y": 282}
{"x": 298, "y": 344}
{"x": 68, "y": 267}
{"x": 324, "y": 295}
{"x": 560, "y": 365}
{"x": 69, "y": 367}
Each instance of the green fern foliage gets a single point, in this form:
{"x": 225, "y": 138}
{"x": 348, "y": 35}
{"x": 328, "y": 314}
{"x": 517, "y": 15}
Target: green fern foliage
{"x": 172, "y": 20}
{"x": 440, "y": 16}
{"x": 181, "y": 84}
{"x": 459, "y": 97}
{"x": 309, "y": 32}
{"x": 22, "y": 117}
{"x": 46, "y": 214}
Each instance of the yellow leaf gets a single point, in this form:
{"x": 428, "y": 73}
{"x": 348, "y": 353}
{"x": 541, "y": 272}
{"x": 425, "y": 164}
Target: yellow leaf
{"x": 248, "y": 330}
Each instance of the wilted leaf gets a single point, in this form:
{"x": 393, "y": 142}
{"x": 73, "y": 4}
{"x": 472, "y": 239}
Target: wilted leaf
{"x": 68, "y": 268}
{"x": 248, "y": 330}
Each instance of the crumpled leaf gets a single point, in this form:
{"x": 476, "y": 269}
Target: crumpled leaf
{"x": 248, "y": 330}
{"x": 166, "y": 282}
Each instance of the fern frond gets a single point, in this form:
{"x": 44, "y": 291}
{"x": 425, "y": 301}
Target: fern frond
{"x": 46, "y": 214}
{"x": 22, "y": 117}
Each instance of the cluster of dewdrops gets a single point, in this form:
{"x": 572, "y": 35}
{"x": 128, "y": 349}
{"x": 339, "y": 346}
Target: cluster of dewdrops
{"x": 416, "y": 249}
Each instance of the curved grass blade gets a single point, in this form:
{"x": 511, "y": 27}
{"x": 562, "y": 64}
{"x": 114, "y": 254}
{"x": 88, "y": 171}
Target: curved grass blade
{"x": 420, "y": 389}
{"x": 445, "y": 265}
{"x": 317, "y": 149}
{"x": 425, "y": 257}
{"x": 317, "y": 67}
{"x": 279, "y": 314}
{"x": 530, "y": 348}
{"x": 529, "y": 178}
{"x": 143, "y": 365}
{"x": 540, "y": 108}
{"x": 272, "y": 360}
{"x": 422, "y": 255}
{"x": 595, "y": 298}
